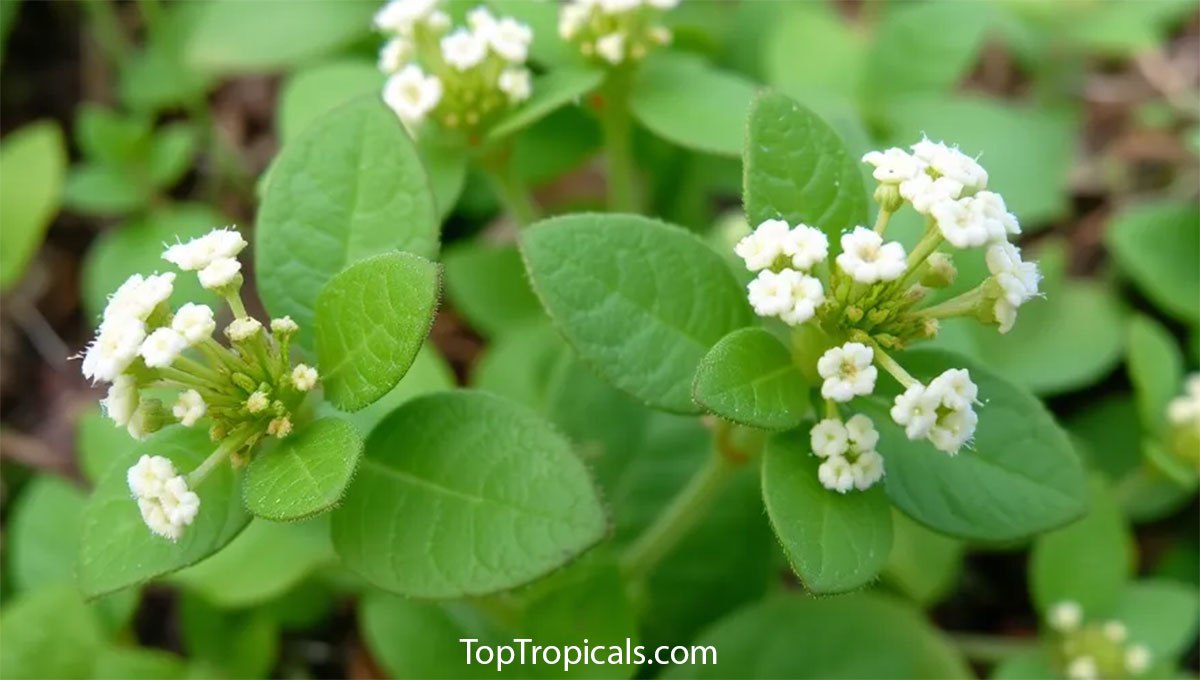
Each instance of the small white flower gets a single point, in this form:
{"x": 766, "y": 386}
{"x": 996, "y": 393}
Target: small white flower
{"x": 1185, "y": 409}
{"x": 162, "y": 347}
{"x": 893, "y": 166}
{"x": 242, "y": 328}
{"x": 393, "y": 55}
{"x": 220, "y": 273}
{"x": 867, "y": 470}
{"x": 284, "y": 326}
{"x": 1083, "y": 668}
{"x": 806, "y": 246}
{"x": 618, "y": 6}
{"x": 194, "y": 322}
{"x": 1115, "y": 631}
{"x": 848, "y": 371}
{"x": 218, "y": 244}
{"x": 862, "y": 433}
{"x": 510, "y": 39}
{"x": 764, "y": 245}
{"x": 571, "y": 18}
{"x": 114, "y": 349}
{"x": 122, "y": 399}
{"x": 481, "y": 20}
{"x": 147, "y": 476}
{"x": 961, "y": 226}
{"x": 1017, "y": 279}
{"x": 399, "y": 16}
{"x": 956, "y": 388}
{"x": 1065, "y": 616}
{"x": 437, "y": 21}
{"x": 829, "y": 438}
{"x": 411, "y": 94}
{"x": 953, "y": 429}
{"x": 1006, "y": 315}
{"x": 916, "y": 410}
{"x": 836, "y": 474}
{"x": 770, "y": 293}
{"x": 189, "y": 408}
{"x": 867, "y": 259}
{"x": 924, "y": 192}
{"x": 1137, "y": 659}
{"x": 463, "y": 49}
{"x": 998, "y": 221}
{"x": 304, "y": 377}
{"x": 257, "y": 402}
{"x": 167, "y": 512}
{"x": 516, "y": 83}
{"x": 611, "y": 47}
{"x": 139, "y": 296}
{"x": 806, "y": 293}
{"x": 951, "y": 163}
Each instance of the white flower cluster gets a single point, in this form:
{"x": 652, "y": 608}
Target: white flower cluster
{"x": 615, "y": 31}
{"x": 848, "y": 450}
{"x": 463, "y": 77}
{"x": 942, "y": 412}
{"x": 783, "y": 257}
{"x": 213, "y": 256}
{"x": 950, "y": 188}
{"x": 1096, "y": 651}
{"x": 166, "y": 503}
{"x": 1184, "y": 410}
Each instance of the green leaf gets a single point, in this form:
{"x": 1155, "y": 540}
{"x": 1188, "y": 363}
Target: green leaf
{"x": 748, "y": 377}
{"x": 137, "y": 247}
{"x": 234, "y": 37}
{"x": 33, "y": 161}
{"x": 1109, "y": 435}
{"x": 1155, "y": 369}
{"x": 797, "y": 170}
{"x": 926, "y": 47}
{"x": 111, "y": 139}
{"x": 171, "y": 155}
{"x": 265, "y": 561}
{"x": 463, "y": 493}
{"x": 766, "y": 640}
{"x": 551, "y": 92}
{"x": 43, "y": 534}
{"x": 1088, "y": 562}
{"x": 1157, "y": 245}
{"x": 103, "y": 190}
{"x": 138, "y": 663}
{"x": 315, "y": 90}
{"x": 365, "y": 343}
{"x": 813, "y": 54}
{"x": 685, "y": 101}
{"x": 1028, "y": 152}
{"x": 446, "y": 166}
{"x": 1161, "y": 614}
{"x": 923, "y": 564}
{"x": 349, "y": 187}
{"x": 222, "y": 643}
{"x": 415, "y": 639}
{"x": 644, "y": 306}
{"x": 49, "y": 633}
{"x": 157, "y": 77}
{"x": 488, "y": 286}
{"x": 834, "y": 542}
{"x": 1021, "y": 477}
{"x": 304, "y": 474}
{"x": 429, "y": 373}
{"x": 1025, "y": 666}
{"x": 113, "y": 529}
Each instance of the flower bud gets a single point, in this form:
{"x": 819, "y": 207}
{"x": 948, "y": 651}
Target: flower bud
{"x": 150, "y": 417}
{"x": 245, "y": 382}
{"x": 888, "y": 197}
{"x": 939, "y": 271}
{"x": 854, "y": 314}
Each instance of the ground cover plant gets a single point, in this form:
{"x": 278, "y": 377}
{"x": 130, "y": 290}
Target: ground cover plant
{"x": 602, "y": 338}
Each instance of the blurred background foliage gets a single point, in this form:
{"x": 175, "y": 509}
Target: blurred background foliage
{"x": 128, "y": 123}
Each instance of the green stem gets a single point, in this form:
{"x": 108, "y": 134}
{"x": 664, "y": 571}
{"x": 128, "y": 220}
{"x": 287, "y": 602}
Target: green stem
{"x": 618, "y": 143}
{"x": 684, "y": 511}
{"x": 188, "y": 378}
{"x": 197, "y": 368}
{"x": 990, "y": 649}
{"x": 889, "y": 364}
{"x": 231, "y": 361}
{"x": 881, "y": 221}
{"x": 510, "y": 188}
{"x": 230, "y": 444}
{"x": 235, "y": 304}
{"x": 955, "y": 306}
{"x": 929, "y": 242}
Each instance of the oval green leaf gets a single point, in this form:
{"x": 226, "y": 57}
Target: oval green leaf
{"x": 1021, "y": 478}
{"x": 550, "y": 92}
{"x": 640, "y": 300}
{"x": 305, "y": 474}
{"x": 1155, "y": 369}
{"x": 371, "y": 321}
{"x": 33, "y": 160}
{"x": 1157, "y": 245}
{"x": 748, "y": 377}
{"x": 797, "y": 169}
{"x": 685, "y": 101}
{"x": 349, "y": 187}
{"x": 834, "y": 542}
{"x": 113, "y": 530}
{"x": 464, "y": 493}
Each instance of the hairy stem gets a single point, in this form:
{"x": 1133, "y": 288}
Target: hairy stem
{"x": 618, "y": 143}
